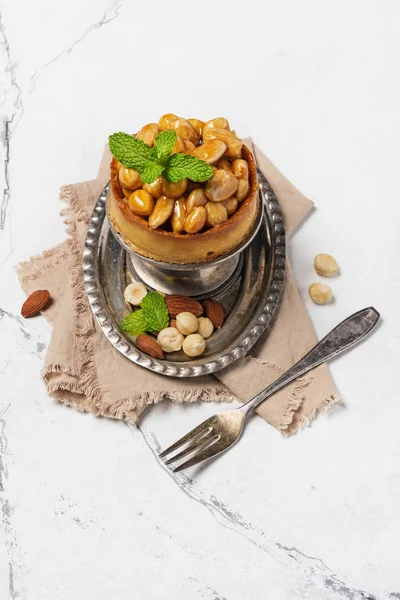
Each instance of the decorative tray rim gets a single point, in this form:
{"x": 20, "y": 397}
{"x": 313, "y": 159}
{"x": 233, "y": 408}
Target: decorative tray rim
{"x": 273, "y": 221}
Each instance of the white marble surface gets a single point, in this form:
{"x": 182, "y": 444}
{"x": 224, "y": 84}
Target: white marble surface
{"x": 87, "y": 512}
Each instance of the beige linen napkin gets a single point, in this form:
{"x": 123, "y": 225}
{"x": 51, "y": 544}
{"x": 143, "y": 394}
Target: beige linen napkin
{"x": 82, "y": 369}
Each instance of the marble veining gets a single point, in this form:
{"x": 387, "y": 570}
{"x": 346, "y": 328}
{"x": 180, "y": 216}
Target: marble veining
{"x": 111, "y": 13}
{"x": 11, "y": 110}
{"x": 224, "y": 516}
{"x": 87, "y": 510}
{"x": 12, "y": 100}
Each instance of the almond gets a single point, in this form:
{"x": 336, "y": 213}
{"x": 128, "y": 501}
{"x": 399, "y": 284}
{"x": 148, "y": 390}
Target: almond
{"x": 149, "y": 345}
{"x": 214, "y": 312}
{"x": 177, "y": 304}
{"x": 35, "y": 303}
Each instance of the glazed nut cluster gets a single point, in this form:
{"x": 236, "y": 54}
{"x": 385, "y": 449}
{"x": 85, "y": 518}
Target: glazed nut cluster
{"x": 186, "y": 207}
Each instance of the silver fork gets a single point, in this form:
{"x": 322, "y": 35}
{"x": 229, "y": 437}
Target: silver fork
{"x": 221, "y": 431}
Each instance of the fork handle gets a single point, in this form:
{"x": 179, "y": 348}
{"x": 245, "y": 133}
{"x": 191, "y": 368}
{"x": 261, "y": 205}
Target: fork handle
{"x": 344, "y": 336}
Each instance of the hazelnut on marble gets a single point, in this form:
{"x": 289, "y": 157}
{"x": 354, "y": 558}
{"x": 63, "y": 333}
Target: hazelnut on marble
{"x": 320, "y": 293}
{"x": 325, "y": 265}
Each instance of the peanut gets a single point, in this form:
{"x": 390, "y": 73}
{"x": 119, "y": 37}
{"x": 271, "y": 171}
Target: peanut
{"x": 189, "y": 147}
{"x": 148, "y": 134}
{"x": 242, "y": 190}
{"x": 141, "y": 203}
{"x": 161, "y": 212}
{"x": 129, "y": 178}
{"x": 167, "y": 121}
{"x": 179, "y": 215}
{"x": 216, "y": 214}
{"x": 185, "y": 131}
{"x": 231, "y": 205}
{"x": 195, "y": 198}
{"x": 221, "y": 186}
{"x": 154, "y": 188}
{"x": 210, "y": 152}
{"x": 126, "y": 192}
{"x": 174, "y": 190}
{"x": 179, "y": 146}
{"x": 219, "y": 123}
{"x": 183, "y": 128}
{"x": 196, "y": 220}
{"x": 197, "y": 125}
{"x": 224, "y": 164}
{"x": 233, "y": 143}
{"x": 240, "y": 168}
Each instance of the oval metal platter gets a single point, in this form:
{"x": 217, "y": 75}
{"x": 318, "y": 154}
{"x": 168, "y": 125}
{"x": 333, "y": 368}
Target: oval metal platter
{"x": 250, "y": 298}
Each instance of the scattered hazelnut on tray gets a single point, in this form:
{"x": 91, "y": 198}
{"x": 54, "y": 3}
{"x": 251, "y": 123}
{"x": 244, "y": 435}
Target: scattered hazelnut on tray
{"x": 194, "y": 345}
{"x": 170, "y": 339}
{"x": 205, "y": 327}
{"x": 186, "y": 323}
{"x": 134, "y": 293}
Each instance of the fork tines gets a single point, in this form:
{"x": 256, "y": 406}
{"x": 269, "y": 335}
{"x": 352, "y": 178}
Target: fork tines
{"x": 198, "y": 441}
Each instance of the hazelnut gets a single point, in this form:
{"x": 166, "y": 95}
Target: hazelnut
{"x": 170, "y": 339}
{"x": 320, "y": 293}
{"x": 205, "y": 327}
{"x": 194, "y": 345}
{"x": 325, "y": 265}
{"x": 134, "y": 293}
{"x": 186, "y": 323}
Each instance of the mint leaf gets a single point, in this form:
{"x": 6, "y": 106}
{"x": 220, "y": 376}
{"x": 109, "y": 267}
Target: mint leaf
{"x": 151, "y": 171}
{"x": 151, "y": 162}
{"x": 164, "y": 143}
{"x": 135, "y": 323}
{"x": 131, "y": 152}
{"x": 179, "y": 166}
{"x": 155, "y": 309}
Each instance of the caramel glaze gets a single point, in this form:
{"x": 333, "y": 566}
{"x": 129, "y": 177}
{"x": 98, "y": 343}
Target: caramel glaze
{"x": 167, "y": 246}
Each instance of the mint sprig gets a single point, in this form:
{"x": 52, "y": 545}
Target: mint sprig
{"x": 151, "y": 171}
{"x": 130, "y": 151}
{"x": 135, "y": 323}
{"x": 156, "y": 311}
{"x": 153, "y": 316}
{"x": 153, "y": 162}
{"x": 164, "y": 144}
{"x": 180, "y": 166}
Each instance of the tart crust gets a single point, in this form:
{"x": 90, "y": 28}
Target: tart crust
{"x": 167, "y": 246}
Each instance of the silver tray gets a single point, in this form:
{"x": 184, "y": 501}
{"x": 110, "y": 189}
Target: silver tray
{"x": 250, "y": 295}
